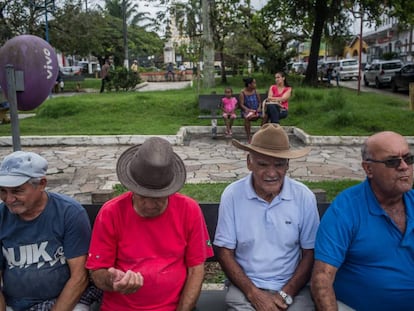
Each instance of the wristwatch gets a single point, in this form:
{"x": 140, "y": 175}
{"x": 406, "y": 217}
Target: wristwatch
{"x": 287, "y": 298}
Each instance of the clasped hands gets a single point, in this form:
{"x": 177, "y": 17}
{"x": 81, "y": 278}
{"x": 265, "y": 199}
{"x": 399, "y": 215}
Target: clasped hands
{"x": 125, "y": 282}
{"x": 266, "y": 301}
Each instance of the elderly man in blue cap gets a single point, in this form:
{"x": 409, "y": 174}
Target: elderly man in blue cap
{"x": 44, "y": 238}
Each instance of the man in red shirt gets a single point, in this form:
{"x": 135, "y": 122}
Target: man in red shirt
{"x": 149, "y": 245}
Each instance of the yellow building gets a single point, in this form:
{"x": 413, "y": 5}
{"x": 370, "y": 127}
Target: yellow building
{"x": 352, "y": 50}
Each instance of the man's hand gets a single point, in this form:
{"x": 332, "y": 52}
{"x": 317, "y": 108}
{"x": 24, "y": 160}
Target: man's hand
{"x": 125, "y": 282}
{"x": 265, "y": 301}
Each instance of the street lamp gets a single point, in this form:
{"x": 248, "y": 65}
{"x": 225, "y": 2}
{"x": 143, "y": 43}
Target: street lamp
{"x": 45, "y": 6}
{"x": 360, "y": 54}
{"x": 359, "y": 14}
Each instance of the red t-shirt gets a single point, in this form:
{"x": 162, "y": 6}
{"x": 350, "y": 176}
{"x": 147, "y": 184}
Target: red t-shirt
{"x": 160, "y": 248}
{"x": 275, "y": 93}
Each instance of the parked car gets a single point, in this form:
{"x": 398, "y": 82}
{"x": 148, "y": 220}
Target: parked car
{"x": 347, "y": 69}
{"x": 70, "y": 70}
{"x": 298, "y": 67}
{"x": 403, "y": 78}
{"x": 380, "y": 72}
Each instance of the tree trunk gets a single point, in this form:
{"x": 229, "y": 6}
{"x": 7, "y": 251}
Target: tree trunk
{"x": 321, "y": 9}
{"x": 208, "y": 46}
{"x": 223, "y": 66}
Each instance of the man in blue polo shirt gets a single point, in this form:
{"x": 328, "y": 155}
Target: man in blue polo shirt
{"x": 364, "y": 251}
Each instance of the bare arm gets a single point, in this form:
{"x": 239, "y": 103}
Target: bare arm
{"x": 241, "y": 103}
{"x": 2, "y": 301}
{"x": 192, "y": 288}
{"x": 282, "y": 98}
{"x": 301, "y": 275}
{"x": 259, "y": 100}
{"x": 322, "y": 290}
{"x": 116, "y": 280}
{"x": 74, "y": 287}
{"x": 261, "y": 300}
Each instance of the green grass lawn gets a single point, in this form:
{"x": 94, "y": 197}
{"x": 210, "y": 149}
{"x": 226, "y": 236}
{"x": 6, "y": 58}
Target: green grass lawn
{"x": 318, "y": 111}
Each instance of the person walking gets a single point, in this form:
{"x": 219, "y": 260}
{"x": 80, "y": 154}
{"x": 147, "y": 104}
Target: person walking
{"x": 104, "y": 75}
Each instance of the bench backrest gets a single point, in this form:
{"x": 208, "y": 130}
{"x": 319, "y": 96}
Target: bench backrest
{"x": 212, "y": 102}
{"x": 210, "y": 212}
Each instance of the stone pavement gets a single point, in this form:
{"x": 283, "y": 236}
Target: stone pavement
{"x": 80, "y": 169}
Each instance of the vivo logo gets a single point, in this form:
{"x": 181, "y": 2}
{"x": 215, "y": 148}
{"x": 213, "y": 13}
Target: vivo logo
{"x": 48, "y": 66}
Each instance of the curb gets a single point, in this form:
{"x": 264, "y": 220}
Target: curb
{"x": 178, "y": 139}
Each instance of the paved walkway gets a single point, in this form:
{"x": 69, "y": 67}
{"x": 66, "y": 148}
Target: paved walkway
{"x": 81, "y": 170}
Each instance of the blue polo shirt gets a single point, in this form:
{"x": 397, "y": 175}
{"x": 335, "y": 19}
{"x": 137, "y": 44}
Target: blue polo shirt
{"x": 267, "y": 238}
{"x": 375, "y": 260}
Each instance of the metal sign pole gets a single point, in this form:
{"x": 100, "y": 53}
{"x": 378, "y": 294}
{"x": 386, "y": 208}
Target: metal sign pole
{"x": 12, "y": 98}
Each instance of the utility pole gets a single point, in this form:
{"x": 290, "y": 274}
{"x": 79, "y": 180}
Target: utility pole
{"x": 47, "y": 4}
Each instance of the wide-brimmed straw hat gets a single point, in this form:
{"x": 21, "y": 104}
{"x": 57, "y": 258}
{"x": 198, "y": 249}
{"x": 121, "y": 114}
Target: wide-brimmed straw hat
{"x": 271, "y": 140}
{"x": 152, "y": 169}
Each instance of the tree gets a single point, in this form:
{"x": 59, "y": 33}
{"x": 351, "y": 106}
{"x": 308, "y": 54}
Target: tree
{"x": 331, "y": 17}
{"x": 208, "y": 45}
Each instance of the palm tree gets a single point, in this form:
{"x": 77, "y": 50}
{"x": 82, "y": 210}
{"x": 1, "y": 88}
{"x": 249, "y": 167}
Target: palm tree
{"x": 128, "y": 12}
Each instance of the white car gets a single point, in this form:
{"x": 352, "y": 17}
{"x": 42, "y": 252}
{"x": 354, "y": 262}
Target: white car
{"x": 71, "y": 70}
{"x": 380, "y": 72}
{"x": 299, "y": 67}
{"x": 347, "y": 69}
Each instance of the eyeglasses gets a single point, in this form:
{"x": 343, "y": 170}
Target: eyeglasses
{"x": 394, "y": 162}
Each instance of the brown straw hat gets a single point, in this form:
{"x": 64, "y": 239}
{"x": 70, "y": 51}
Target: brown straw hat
{"x": 271, "y": 140}
{"x": 152, "y": 169}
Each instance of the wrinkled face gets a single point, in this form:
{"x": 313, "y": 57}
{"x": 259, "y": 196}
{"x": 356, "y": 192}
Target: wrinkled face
{"x": 25, "y": 200}
{"x": 268, "y": 174}
{"x": 149, "y": 207}
{"x": 389, "y": 181}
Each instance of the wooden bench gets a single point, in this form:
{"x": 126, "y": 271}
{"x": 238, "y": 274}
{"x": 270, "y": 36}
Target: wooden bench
{"x": 209, "y": 299}
{"x": 210, "y": 108}
{"x": 66, "y": 78}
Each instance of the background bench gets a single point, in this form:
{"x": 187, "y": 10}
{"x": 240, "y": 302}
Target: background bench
{"x": 210, "y": 300}
{"x": 210, "y": 108}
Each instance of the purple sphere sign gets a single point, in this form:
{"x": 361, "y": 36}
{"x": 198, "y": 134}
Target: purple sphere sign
{"x": 38, "y": 61}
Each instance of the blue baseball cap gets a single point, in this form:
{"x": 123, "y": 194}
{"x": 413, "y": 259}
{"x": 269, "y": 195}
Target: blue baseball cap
{"x": 18, "y": 167}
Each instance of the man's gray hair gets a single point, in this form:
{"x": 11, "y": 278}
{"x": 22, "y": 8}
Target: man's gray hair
{"x": 34, "y": 181}
{"x": 365, "y": 153}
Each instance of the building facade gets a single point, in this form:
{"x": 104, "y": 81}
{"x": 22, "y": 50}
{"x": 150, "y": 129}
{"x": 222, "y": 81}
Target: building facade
{"x": 389, "y": 37}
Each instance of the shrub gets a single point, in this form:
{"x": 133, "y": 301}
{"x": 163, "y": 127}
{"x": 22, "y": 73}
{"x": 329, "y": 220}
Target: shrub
{"x": 122, "y": 78}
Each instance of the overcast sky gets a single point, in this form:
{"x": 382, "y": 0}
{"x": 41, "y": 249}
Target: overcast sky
{"x": 152, "y": 8}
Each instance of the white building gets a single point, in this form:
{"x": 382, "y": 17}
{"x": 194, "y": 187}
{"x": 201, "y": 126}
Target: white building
{"x": 389, "y": 37}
